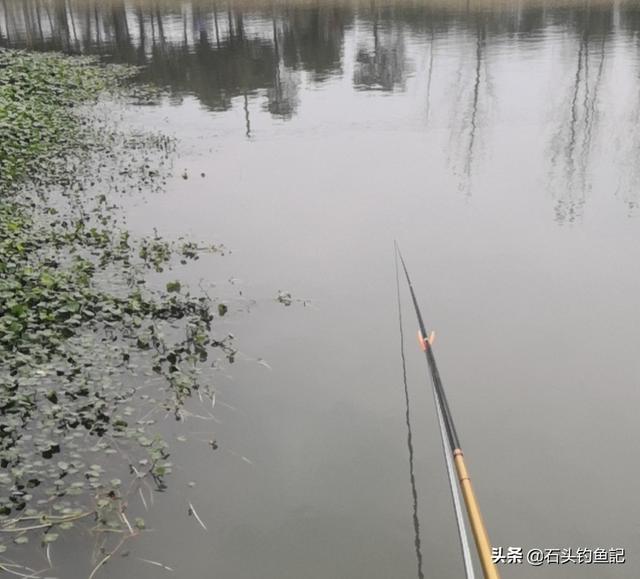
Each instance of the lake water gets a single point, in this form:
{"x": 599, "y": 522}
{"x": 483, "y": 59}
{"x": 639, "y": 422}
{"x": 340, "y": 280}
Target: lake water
{"x": 498, "y": 142}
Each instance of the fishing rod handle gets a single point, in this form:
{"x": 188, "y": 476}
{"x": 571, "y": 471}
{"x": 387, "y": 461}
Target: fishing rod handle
{"x": 475, "y": 518}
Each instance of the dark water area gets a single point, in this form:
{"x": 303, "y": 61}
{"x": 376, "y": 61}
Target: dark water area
{"x": 498, "y": 142}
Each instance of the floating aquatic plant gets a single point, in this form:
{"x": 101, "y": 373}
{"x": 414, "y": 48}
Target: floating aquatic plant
{"x": 91, "y": 352}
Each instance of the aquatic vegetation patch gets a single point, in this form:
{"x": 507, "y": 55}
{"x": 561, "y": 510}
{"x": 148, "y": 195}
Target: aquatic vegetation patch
{"x": 39, "y": 95}
{"x": 91, "y": 351}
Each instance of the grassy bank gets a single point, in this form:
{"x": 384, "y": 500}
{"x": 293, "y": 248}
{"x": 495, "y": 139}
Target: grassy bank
{"x": 82, "y": 331}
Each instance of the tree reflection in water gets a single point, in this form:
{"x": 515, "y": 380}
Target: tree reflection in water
{"x": 572, "y": 143}
{"x": 381, "y": 66}
{"x": 470, "y": 91}
{"x": 265, "y": 53}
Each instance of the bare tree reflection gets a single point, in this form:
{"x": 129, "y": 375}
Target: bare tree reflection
{"x": 383, "y": 67}
{"x": 473, "y": 122}
{"x": 228, "y": 57}
{"x": 469, "y": 88}
{"x": 313, "y": 39}
{"x": 430, "y": 73}
{"x": 282, "y": 99}
{"x": 572, "y": 143}
{"x": 5, "y": 35}
{"x": 247, "y": 118}
{"x": 62, "y": 22}
{"x": 239, "y": 63}
{"x": 627, "y": 144}
{"x": 215, "y": 23}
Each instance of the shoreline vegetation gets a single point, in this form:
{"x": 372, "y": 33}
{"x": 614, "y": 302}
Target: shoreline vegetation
{"x": 92, "y": 351}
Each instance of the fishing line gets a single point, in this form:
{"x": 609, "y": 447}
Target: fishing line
{"x": 445, "y": 439}
{"x": 414, "y": 492}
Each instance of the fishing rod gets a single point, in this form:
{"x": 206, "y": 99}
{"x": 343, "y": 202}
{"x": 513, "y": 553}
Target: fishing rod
{"x": 447, "y": 451}
{"x": 476, "y": 522}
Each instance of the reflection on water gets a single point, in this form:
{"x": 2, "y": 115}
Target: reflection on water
{"x": 271, "y": 54}
{"x": 572, "y": 144}
{"x": 470, "y": 92}
{"x": 381, "y": 58}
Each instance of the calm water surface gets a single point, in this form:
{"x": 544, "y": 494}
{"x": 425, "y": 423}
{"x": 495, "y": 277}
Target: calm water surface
{"x": 499, "y": 143}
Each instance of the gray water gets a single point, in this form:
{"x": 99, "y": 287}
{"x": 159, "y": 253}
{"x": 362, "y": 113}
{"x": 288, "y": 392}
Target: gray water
{"x": 498, "y": 143}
